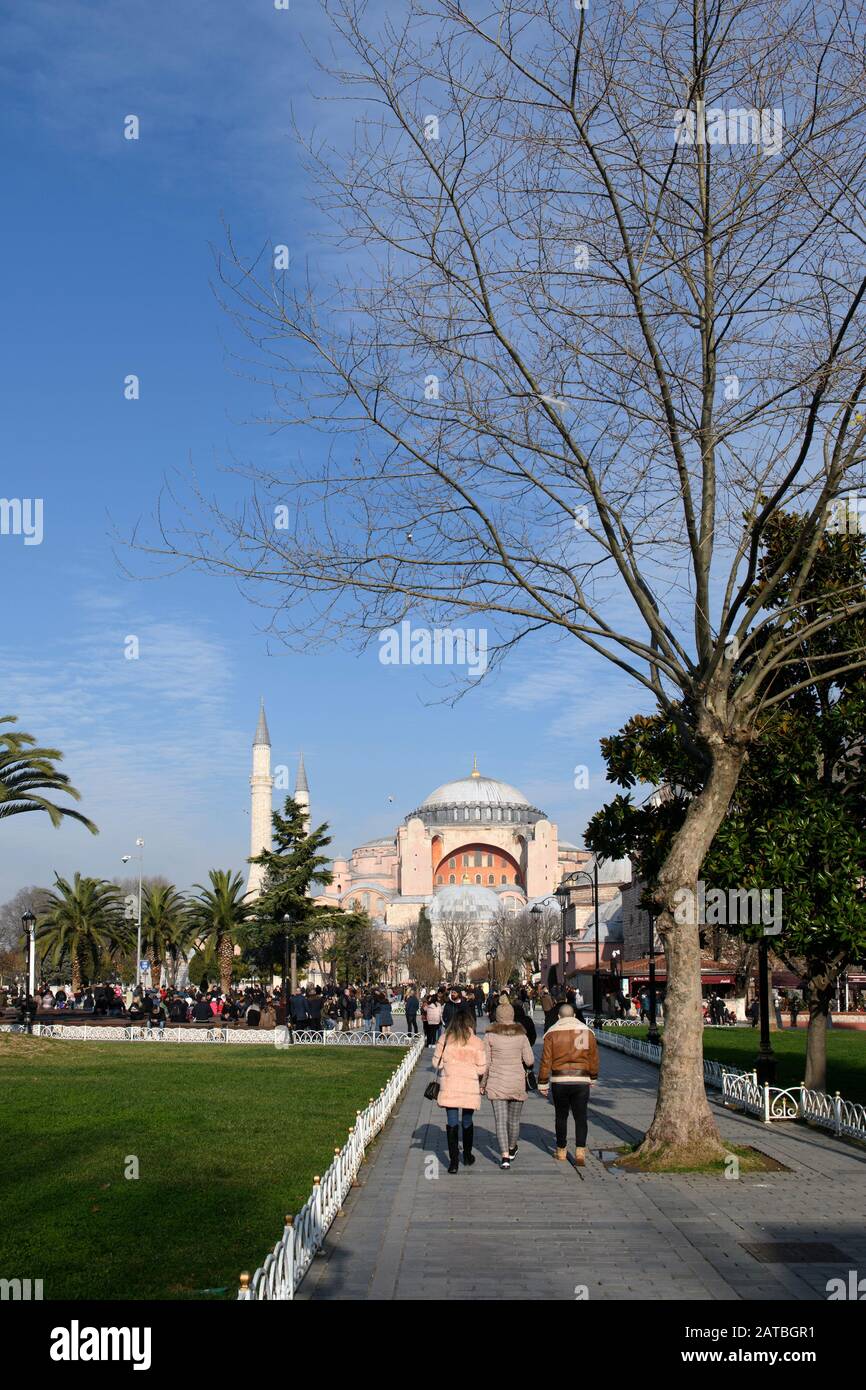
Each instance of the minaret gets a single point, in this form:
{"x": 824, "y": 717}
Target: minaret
{"x": 302, "y": 792}
{"x": 261, "y": 783}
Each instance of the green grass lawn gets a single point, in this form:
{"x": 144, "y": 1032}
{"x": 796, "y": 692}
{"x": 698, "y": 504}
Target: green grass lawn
{"x": 228, "y": 1140}
{"x": 846, "y": 1055}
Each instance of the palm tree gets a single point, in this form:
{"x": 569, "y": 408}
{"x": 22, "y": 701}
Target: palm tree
{"x": 81, "y": 921}
{"x": 27, "y": 771}
{"x": 217, "y": 915}
{"x": 165, "y": 926}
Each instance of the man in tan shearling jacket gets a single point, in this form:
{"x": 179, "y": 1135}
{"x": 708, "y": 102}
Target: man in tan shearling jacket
{"x": 570, "y": 1062}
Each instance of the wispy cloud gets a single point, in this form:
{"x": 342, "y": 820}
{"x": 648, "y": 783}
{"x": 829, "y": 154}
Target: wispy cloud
{"x": 148, "y": 742}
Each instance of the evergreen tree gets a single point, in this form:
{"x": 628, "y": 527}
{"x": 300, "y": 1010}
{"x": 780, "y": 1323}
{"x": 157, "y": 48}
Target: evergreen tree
{"x": 292, "y": 867}
{"x": 424, "y": 934}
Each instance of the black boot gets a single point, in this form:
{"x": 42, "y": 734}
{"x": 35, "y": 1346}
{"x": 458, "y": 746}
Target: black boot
{"x": 453, "y": 1149}
{"x": 468, "y": 1136}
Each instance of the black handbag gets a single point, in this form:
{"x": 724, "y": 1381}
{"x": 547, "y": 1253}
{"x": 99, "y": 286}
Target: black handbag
{"x": 431, "y": 1090}
{"x": 531, "y": 1079}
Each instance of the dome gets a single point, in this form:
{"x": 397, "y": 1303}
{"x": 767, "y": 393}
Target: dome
{"x": 468, "y": 900}
{"x": 476, "y": 791}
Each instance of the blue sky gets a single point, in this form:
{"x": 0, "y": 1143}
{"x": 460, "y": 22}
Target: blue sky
{"x": 107, "y": 266}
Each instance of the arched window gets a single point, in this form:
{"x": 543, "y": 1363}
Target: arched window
{"x": 452, "y": 863}
{"x": 439, "y": 878}
{"x": 456, "y": 813}
{"x": 505, "y": 878}
{"x": 487, "y": 813}
{"x": 491, "y": 878}
{"x": 451, "y": 878}
{"x": 499, "y": 813}
{"x": 477, "y": 878}
{"x": 477, "y": 812}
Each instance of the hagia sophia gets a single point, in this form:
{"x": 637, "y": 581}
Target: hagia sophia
{"x": 473, "y": 848}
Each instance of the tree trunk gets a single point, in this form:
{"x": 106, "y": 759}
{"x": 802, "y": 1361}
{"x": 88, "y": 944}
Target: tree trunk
{"x": 76, "y": 971}
{"x": 225, "y": 956}
{"x": 156, "y": 972}
{"x": 816, "y": 1046}
{"x": 294, "y": 968}
{"x": 683, "y": 1131}
{"x": 818, "y": 990}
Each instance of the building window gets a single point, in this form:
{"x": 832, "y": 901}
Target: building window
{"x": 477, "y": 878}
{"x": 465, "y": 878}
{"x": 477, "y": 812}
{"x": 439, "y": 878}
{"x": 487, "y": 813}
{"x": 451, "y": 878}
{"x": 499, "y": 813}
{"x": 452, "y": 863}
{"x": 466, "y": 861}
{"x": 490, "y": 861}
{"x": 455, "y": 812}
{"x": 477, "y": 860}
{"x": 491, "y": 878}
{"x": 504, "y": 878}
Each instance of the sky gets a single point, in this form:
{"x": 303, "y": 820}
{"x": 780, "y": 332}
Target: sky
{"x": 107, "y": 270}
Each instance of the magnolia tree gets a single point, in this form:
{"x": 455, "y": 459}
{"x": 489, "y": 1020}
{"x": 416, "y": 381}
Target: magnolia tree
{"x": 594, "y": 313}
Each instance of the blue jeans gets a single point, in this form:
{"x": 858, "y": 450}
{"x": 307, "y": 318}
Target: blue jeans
{"x": 466, "y": 1116}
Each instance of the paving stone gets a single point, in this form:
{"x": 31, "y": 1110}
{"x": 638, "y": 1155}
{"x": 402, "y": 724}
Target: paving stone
{"x": 541, "y": 1228}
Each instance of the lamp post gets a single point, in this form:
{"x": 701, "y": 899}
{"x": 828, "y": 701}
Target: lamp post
{"x": 28, "y": 922}
{"x": 653, "y": 1035}
{"x": 563, "y": 893}
{"x": 125, "y": 860}
{"x": 765, "y": 1062}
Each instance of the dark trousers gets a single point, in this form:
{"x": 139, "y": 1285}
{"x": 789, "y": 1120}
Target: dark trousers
{"x": 570, "y": 1099}
{"x": 412, "y": 1023}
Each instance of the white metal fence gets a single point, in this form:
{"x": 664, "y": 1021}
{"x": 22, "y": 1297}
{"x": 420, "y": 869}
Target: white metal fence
{"x": 277, "y": 1279}
{"x": 135, "y": 1032}
{"x": 842, "y": 1117}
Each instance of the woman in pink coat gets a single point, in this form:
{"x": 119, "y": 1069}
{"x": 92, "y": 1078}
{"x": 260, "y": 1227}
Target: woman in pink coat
{"x": 462, "y": 1061}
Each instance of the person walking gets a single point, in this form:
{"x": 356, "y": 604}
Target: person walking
{"x": 461, "y": 1061}
{"x": 509, "y": 1057}
{"x": 548, "y": 1005}
{"x": 569, "y": 1063}
{"x": 433, "y": 1021}
{"x": 412, "y": 1005}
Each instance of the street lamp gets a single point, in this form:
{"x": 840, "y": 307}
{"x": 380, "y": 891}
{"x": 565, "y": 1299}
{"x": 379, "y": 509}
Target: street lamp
{"x": 563, "y": 893}
{"x": 491, "y": 970}
{"x": 28, "y": 922}
{"x": 765, "y": 1062}
{"x": 125, "y": 860}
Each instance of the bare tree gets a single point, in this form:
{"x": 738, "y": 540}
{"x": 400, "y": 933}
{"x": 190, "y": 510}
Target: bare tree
{"x": 596, "y": 315}
{"x": 457, "y": 933}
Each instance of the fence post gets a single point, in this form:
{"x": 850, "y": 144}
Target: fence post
{"x": 837, "y": 1109}
{"x": 289, "y": 1240}
{"x": 766, "y": 1102}
{"x": 801, "y": 1104}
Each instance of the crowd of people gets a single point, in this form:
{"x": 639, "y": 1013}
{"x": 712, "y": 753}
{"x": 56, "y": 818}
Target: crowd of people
{"x": 313, "y": 1008}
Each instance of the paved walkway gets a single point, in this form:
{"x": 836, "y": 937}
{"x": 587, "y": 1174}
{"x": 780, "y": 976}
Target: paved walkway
{"x": 543, "y": 1230}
